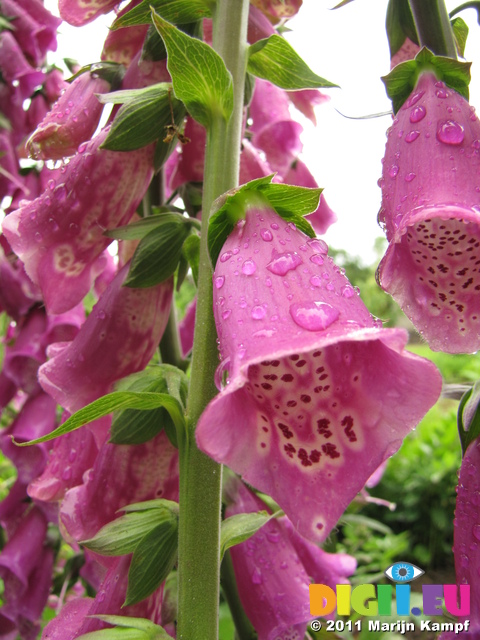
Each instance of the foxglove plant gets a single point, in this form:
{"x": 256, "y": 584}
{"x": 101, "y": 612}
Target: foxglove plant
{"x": 430, "y": 215}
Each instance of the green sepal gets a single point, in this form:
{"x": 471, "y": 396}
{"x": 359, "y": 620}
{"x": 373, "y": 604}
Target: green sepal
{"x": 126, "y": 629}
{"x": 122, "y": 535}
{"x": 290, "y": 202}
{"x": 153, "y": 559}
{"x": 141, "y": 228}
{"x": 460, "y": 33}
{"x": 6, "y": 24}
{"x": 401, "y": 81}
{"x": 468, "y": 417}
{"x": 143, "y": 118}
{"x": 133, "y": 426}
{"x": 113, "y": 402}
{"x": 275, "y": 60}
{"x": 199, "y": 75}
{"x": 241, "y": 527}
{"x": 157, "y": 255}
{"x": 112, "y": 72}
{"x": 191, "y": 251}
{"x": 174, "y": 11}
{"x": 399, "y": 25}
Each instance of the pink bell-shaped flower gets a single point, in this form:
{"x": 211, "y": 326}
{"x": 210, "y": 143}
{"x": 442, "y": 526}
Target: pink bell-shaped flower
{"x": 118, "y": 338}
{"x": 319, "y": 393}
{"x": 431, "y": 215}
{"x": 59, "y": 235}
{"x": 77, "y": 12}
{"x": 274, "y": 568}
{"x": 72, "y": 120}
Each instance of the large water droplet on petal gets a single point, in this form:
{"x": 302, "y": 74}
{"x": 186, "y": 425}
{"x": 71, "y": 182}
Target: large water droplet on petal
{"x": 258, "y": 312}
{"x": 318, "y": 245}
{"x": 442, "y": 94}
{"x": 410, "y": 176}
{"x": 347, "y": 291}
{"x": 450, "y": 132}
{"x": 411, "y": 136}
{"x": 226, "y": 256}
{"x": 219, "y": 280}
{"x": 282, "y": 263}
{"x": 417, "y": 114}
{"x": 266, "y": 235}
{"x": 249, "y": 267}
{"x": 393, "y": 171}
{"x": 313, "y": 316}
{"x": 316, "y": 259}
{"x": 414, "y": 99}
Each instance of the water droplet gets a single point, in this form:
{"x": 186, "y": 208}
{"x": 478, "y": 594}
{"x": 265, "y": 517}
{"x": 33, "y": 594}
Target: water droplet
{"x": 60, "y": 192}
{"x": 330, "y": 286}
{"x": 67, "y": 474}
{"x": 410, "y": 176}
{"x": 282, "y": 263}
{"x": 101, "y": 314}
{"x": 274, "y": 225}
{"x": 417, "y": 114}
{"x": 414, "y": 98}
{"x": 53, "y": 224}
{"x": 442, "y": 94}
{"x": 258, "y": 312}
{"x": 316, "y": 259}
{"x": 266, "y": 235}
{"x": 283, "y": 565}
{"x": 219, "y": 280}
{"x": 347, "y": 291}
{"x": 316, "y": 281}
{"x": 257, "y": 576}
{"x": 38, "y": 236}
{"x": 226, "y": 314}
{"x": 72, "y": 456}
{"x": 273, "y": 536}
{"x": 450, "y": 132}
{"x": 249, "y": 267}
{"x": 412, "y": 136}
{"x": 393, "y": 171}
{"x": 313, "y": 316}
{"x": 226, "y": 256}
{"x": 82, "y": 147}
{"x": 318, "y": 245}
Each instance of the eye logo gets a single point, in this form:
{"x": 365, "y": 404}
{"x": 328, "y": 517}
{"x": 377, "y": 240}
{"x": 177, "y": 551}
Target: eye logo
{"x": 403, "y": 572}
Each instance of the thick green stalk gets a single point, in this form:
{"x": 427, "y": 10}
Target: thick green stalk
{"x": 433, "y": 27}
{"x": 200, "y": 477}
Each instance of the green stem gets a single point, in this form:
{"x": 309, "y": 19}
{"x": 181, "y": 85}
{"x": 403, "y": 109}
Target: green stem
{"x": 200, "y": 477}
{"x": 243, "y": 626}
{"x": 433, "y": 27}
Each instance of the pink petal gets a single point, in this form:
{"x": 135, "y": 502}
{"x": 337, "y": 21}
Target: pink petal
{"x": 306, "y": 100}
{"x": 316, "y": 386}
{"x": 59, "y": 236}
{"x": 16, "y": 68}
{"x": 78, "y": 12}
{"x": 431, "y": 216}
{"x": 121, "y": 45}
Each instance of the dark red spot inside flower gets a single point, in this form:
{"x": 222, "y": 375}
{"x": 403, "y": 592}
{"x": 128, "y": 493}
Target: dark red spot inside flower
{"x": 291, "y": 403}
{"x": 266, "y": 386}
{"x": 347, "y": 423}
{"x": 265, "y": 429}
{"x": 315, "y": 455}
{"x": 285, "y": 429}
{"x": 289, "y": 449}
{"x": 323, "y": 427}
{"x": 287, "y": 377}
{"x": 330, "y": 450}
{"x": 270, "y": 376}
{"x": 294, "y": 357}
{"x": 303, "y": 456}
{"x": 320, "y": 370}
{"x": 316, "y": 354}
{"x": 301, "y": 363}
{"x": 305, "y": 398}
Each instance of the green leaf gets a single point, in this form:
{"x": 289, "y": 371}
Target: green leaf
{"x": 468, "y": 417}
{"x": 133, "y": 426}
{"x": 112, "y": 402}
{"x": 152, "y": 561}
{"x": 200, "y": 78}
{"x": 275, "y": 60}
{"x": 127, "y": 629}
{"x": 240, "y": 527}
{"x": 157, "y": 255}
{"x": 157, "y": 503}
{"x": 122, "y": 536}
{"x": 191, "y": 251}
{"x": 175, "y": 11}
{"x": 289, "y": 202}
{"x": 401, "y": 81}
{"x": 460, "y": 32}
{"x": 140, "y": 229}
{"x": 5, "y": 24}
{"x": 145, "y": 117}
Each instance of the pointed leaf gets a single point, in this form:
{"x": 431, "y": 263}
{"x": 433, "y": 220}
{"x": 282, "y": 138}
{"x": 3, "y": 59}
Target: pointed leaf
{"x": 144, "y": 629}
{"x": 460, "y": 31}
{"x": 240, "y": 527}
{"x": 156, "y": 257}
{"x": 275, "y": 60}
{"x": 200, "y": 79}
{"x": 191, "y": 251}
{"x": 152, "y": 561}
{"x": 175, "y": 11}
{"x": 468, "y": 417}
{"x": 140, "y": 229}
{"x": 112, "y": 402}
{"x": 157, "y": 503}
{"x": 121, "y": 536}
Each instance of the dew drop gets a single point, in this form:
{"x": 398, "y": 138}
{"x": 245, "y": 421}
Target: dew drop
{"x": 347, "y": 291}
{"x": 412, "y": 136}
{"x": 219, "y": 280}
{"x": 226, "y": 314}
{"x": 51, "y": 184}
{"x": 249, "y": 267}
{"x": 393, "y": 171}
{"x": 266, "y": 235}
{"x": 101, "y": 314}
{"x": 257, "y": 576}
{"x": 450, "y": 132}
{"x": 226, "y": 256}
{"x": 258, "y": 312}
{"x": 282, "y": 263}
{"x": 67, "y": 474}
{"x": 442, "y": 94}
{"x": 313, "y": 316}
{"x": 38, "y": 236}
{"x": 316, "y": 259}
{"x": 274, "y": 225}
{"x": 318, "y": 245}
{"x": 82, "y": 147}
{"x": 417, "y": 114}
{"x": 316, "y": 281}
{"x": 60, "y": 192}
{"x": 414, "y": 99}
{"x": 410, "y": 176}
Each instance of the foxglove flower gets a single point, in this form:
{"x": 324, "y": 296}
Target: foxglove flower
{"x": 118, "y": 338}
{"x": 277, "y": 10}
{"x": 273, "y": 569}
{"x": 15, "y": 67}
{"x": 121, "y": 45}
{"x": 77, "y": 12}
{"x": 321, "y": 394}
{"x": 72, "y": 120}
{"x": 431, "y": 216}
{"x": 59, "y": 235}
